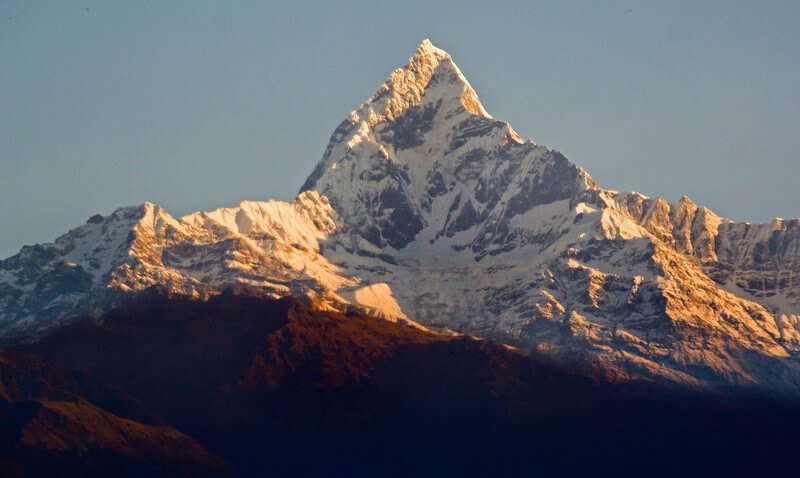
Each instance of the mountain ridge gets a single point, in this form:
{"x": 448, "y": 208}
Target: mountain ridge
{"x": 277, "y": 386}
{"x": 425, "y": 208}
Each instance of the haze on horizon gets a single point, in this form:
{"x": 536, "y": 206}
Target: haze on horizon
{"x": 198, "y": 105}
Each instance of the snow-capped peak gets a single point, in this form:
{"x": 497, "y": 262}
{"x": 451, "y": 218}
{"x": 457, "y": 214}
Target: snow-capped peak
{"x": 430, "y": 75}
{"x": 423, "y": 153}
{"x": 424, "y": 206}
{"x": 426, "y": 47}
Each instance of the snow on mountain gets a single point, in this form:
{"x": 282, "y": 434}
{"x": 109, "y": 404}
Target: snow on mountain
{"x": 424, "y": 207}
{"x": 272, "y": 246}
{"x": 485, "y": 233}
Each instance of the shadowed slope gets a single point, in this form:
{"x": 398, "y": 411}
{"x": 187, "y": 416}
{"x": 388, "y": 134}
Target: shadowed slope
{"x": 54, "y": 420}
{"x": 276, "y": 386}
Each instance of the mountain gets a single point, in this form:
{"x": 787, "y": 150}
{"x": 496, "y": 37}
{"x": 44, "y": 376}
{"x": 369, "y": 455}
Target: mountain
{"x": 277, "y": 387}
{"x": 426, "y": 210}
{"x": 272, "y": 246}
{"x": 499, "y": 237}
{"x": 61, "y": 422}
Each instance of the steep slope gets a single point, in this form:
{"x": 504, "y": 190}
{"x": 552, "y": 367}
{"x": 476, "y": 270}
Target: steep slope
{"x": 491, "y": 235}
{"x": 757, "y": 261}
{"x": 280, "y": 388}
{"x": 60, "y": 422}
{"x": 422, "y": 161}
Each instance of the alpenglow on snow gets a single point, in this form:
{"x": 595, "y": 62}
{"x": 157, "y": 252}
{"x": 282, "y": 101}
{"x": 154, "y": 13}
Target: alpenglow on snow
{"x": 427, "y": 210}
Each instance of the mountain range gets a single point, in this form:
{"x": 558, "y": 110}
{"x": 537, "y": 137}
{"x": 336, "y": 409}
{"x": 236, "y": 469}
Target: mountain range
{"x": 424, "y": 208}
{"x": 428, "y": 220}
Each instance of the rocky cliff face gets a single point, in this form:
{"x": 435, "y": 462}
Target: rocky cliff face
{"x": 424, "y": 206}
{"x": 422, "y": 160}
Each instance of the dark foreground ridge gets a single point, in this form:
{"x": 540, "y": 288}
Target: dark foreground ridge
{"x": 55, "y": 422}
{"x": 272, "y": 386}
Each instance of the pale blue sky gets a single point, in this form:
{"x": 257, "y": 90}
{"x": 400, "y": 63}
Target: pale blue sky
{"x": 196, "y": 105}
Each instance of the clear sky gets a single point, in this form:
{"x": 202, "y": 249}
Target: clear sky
{"x": 197, "y": 105}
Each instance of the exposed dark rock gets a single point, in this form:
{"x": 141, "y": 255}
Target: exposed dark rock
{"x": 410, "y": 128}
{"x": 467, "y": 218}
